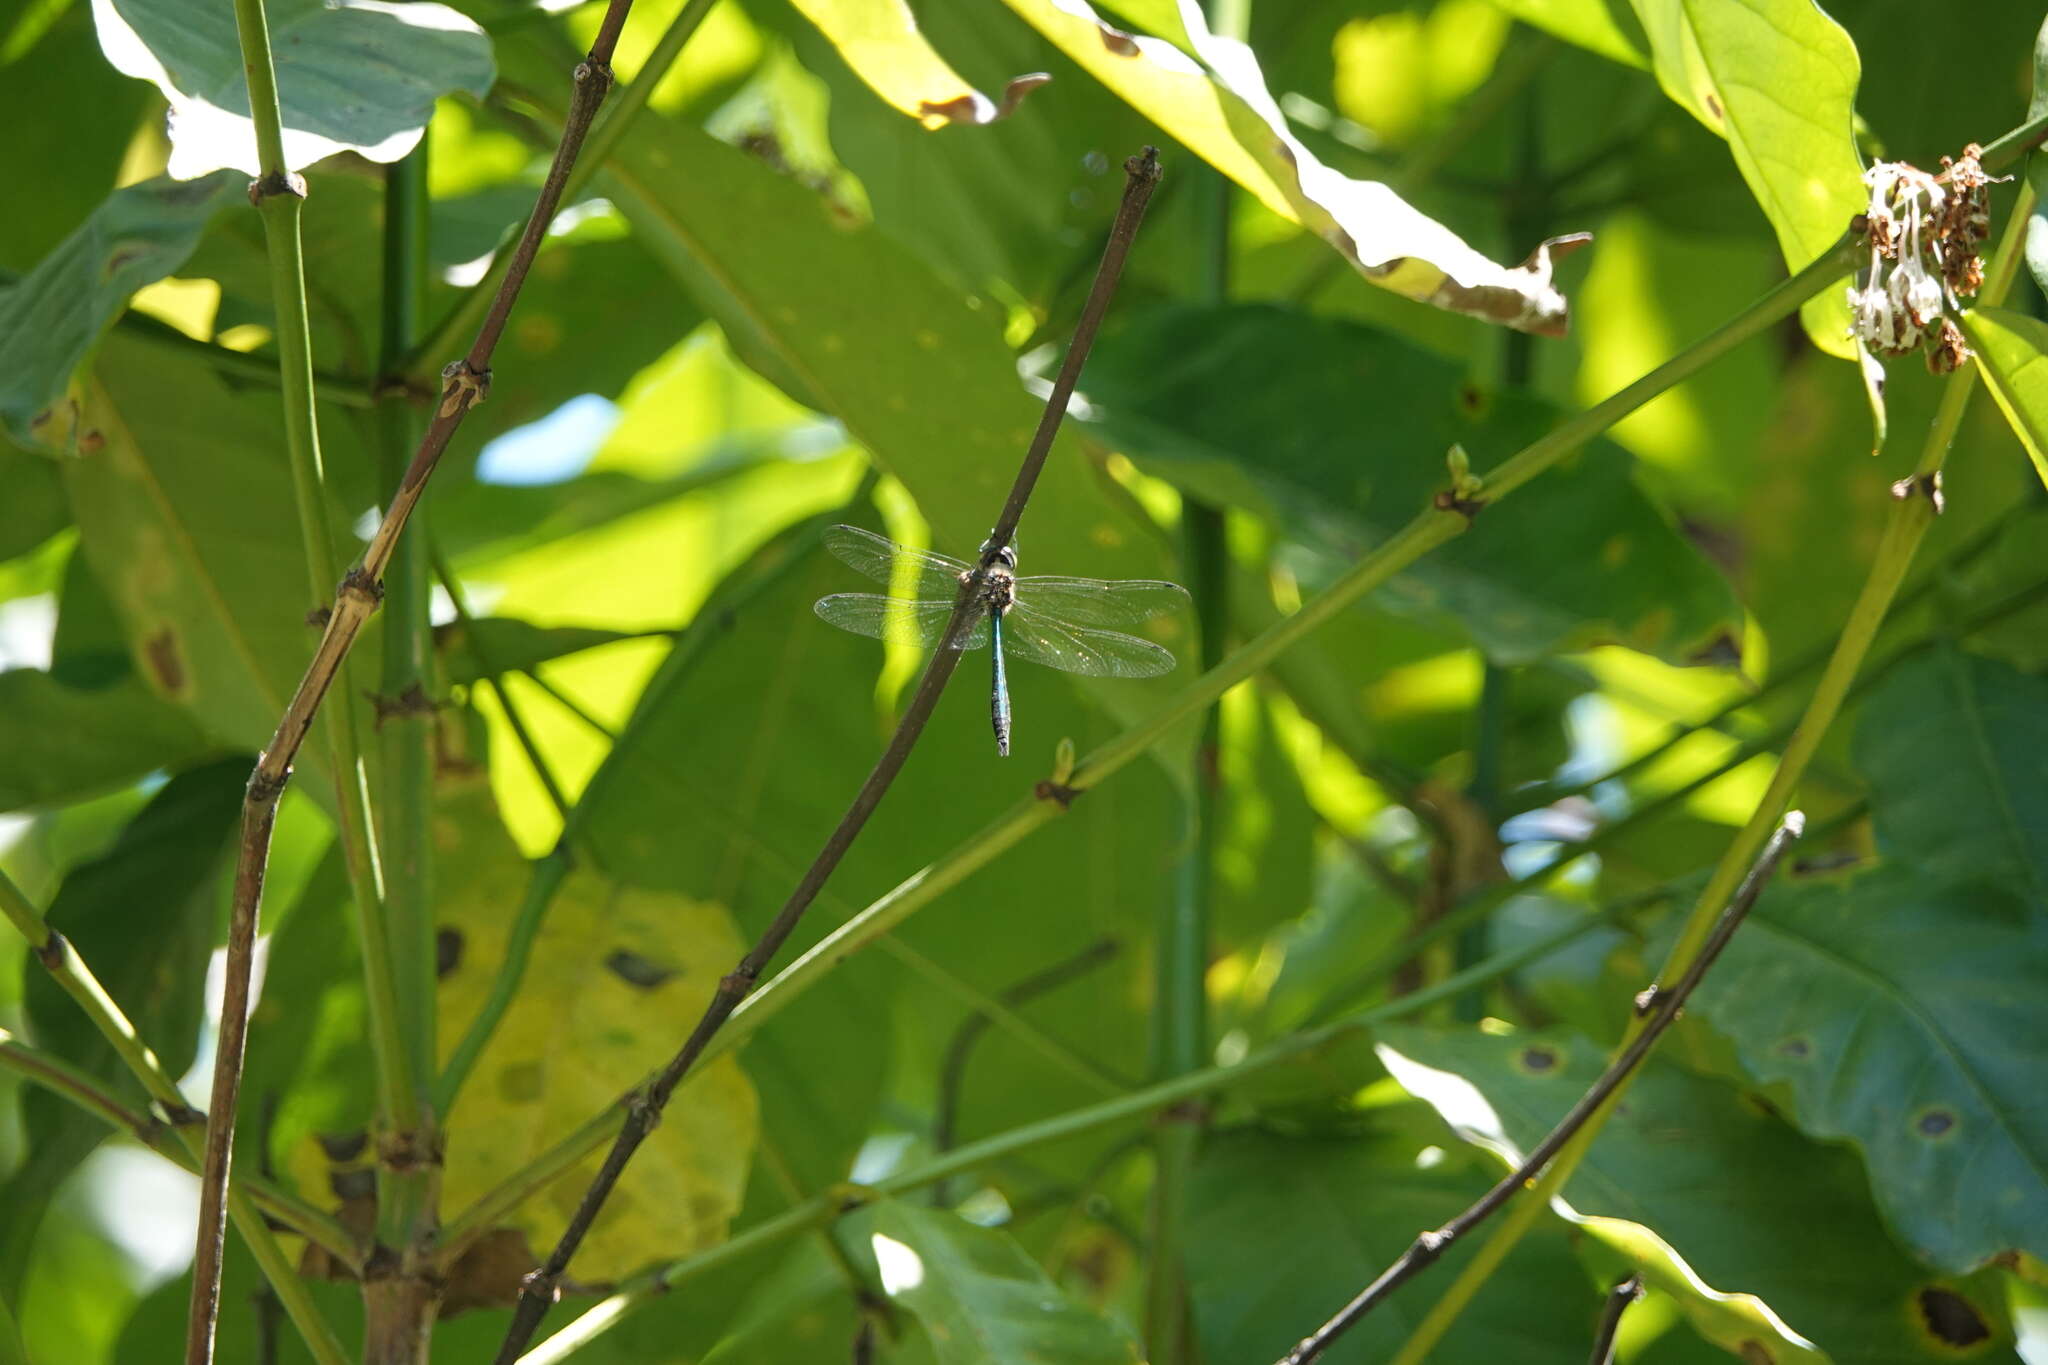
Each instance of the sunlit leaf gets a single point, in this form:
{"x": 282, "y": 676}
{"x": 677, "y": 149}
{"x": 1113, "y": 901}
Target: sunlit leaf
{"x": 51, "y": 319}
{"x": 2012, "y": 355}
{"x": 621, "y": 974}
{"x": 880, "y": 40}
{"x": 353, "y": 75}
{"x": 1903, "y": 1012}
{"x": 1735, "y": 65}
{"x": 1220, "y": 109}
{"x": 981, "y": 1299}
{"x": 1749, "y": 1204}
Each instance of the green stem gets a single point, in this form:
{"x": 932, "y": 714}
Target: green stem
{"x": 408, "y": 1189}
{"x": 494, "y": 678}
{"x": 1911, "y": 515}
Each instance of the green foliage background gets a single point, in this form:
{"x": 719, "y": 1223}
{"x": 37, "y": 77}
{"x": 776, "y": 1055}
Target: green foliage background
{"x": 799, "y": 304}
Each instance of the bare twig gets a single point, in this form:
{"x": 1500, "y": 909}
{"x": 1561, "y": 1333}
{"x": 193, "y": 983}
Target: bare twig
{"x": 643, "y": 1109}
{"x": 1661, "y": 1004}
{"x": 1618, "y": 1300}
{"x": 466, "y": 382}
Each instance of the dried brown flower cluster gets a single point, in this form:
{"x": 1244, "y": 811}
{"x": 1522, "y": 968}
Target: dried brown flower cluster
{"x": 1924, "y": 232}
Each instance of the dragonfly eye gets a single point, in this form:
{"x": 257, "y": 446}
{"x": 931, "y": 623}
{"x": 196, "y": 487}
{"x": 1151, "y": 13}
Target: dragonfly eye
{"x": 1007, "y": 556}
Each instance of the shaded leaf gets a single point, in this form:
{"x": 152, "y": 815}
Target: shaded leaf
{"x": 580, "y": 1034}
{"x": 1339, "y": 434}
{"x": 34, "y": 510}
{"x": 61, "y": 743}
{"x": 981, "y": 1299}
{"x": 1286, "y": 1229}
{"x": 1921, "y": 1041}
{"x": 2012, "y": 355}
{"x": 1952, "y": 745}
{"x": 489, "y": 645}
{"x": 1220, "y": 109}
{"x": 353, "y": 75}
{"x": 1750, "y": 1205}
{"x": 51, "y": 319}
{"x": 1735, "y": 67}
{"x": 880, "y": 40}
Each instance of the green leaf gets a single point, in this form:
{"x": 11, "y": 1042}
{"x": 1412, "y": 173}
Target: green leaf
{"x": 1339, "y": 433}
{"x": 880, "y": 40}
{"x": 1778, "y": 79}
{"x": 141, "y": 915}
{"x": 61, "y": 743}
{"x": 1905, "y": 1015}
{"x": 981, "y": 1299}
{"x": 620, "y": 974}
{"x": 186, "y": 515}
{"x": 494, "y": 645}
{"x": 1952, "y": 745}
{"x": 1750, "y": 1205}
{"x": 34, "y": 510}
{"x": 1287, "y": 1228}
{"x": 352, "y": 75}
{"x": 1219, "y": 108}
{"x": 2012, "y": 355}
{"x": 12, "y": 1352}
{"x": 52, "y": 318}
{"x": 1608, "y": 27}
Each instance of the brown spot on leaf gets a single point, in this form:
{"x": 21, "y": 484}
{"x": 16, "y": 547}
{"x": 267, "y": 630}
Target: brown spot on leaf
{"x": 1713, "y": 105}
{"x": 520, "y": 1083}
{"x": 1950, "y": 1318}
{"x": 1934, "y": 1123}
{"x": 343, "y": 1147}
{"x": 1471, "y": 401}
{"x": 166, "y": 661}
{"x": 1539, "y": 1059}
{"x": 447, "y": 952}
{"x": 636, "y": 970}
{"x": 1754, "y": 1352}
{"x": 488, "y": 1274}
{"x": 1798, "y": 1049}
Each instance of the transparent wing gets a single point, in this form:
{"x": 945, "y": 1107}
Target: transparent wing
{"x": 898, "y": 620}
{"x": 1029, "y": 634}
{"x": 1102, "y": 601}
{"x": 877, "y": 557}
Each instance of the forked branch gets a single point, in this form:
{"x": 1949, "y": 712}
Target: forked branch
{"x": 644, "y": 1106}
{"x": 466, "y": 382}
{"x": 1661, "y": 1004}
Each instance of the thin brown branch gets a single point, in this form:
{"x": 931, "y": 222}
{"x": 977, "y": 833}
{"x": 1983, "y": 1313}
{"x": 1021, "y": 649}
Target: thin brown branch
{"x": 1618, "y": 1300}
{"x": 1662, "y": 1005}
{"x": 467, "y": 381}
{"x": 644, "y": 1105}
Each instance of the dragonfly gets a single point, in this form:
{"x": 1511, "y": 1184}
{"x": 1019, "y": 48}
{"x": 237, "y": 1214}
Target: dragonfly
{"x": 1063, "y": 623}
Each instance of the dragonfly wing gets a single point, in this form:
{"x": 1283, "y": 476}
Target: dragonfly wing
{"x": 1029, "y": 634}
{"x": 877, "y": 557}
{"x": 897, "y": 619}
{"x": 1102, "y": 601}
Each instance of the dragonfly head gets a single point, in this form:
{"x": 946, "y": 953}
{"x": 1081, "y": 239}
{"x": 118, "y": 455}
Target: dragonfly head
{"x": 1007, "y": 556}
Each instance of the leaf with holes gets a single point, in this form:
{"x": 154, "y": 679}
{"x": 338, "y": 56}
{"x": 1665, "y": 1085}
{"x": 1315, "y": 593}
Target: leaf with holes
{"x": 1778, "y": 79}
{"x": 2012, "y": 355}
{"x": 1751, "y": 1206}
{"x": 353, "y": 75}
{"x": 1952, "y": 744}
{"x": 53, "y": 317}
{"x": 618, "y": 975}
{"x": 879, "y": 39}
{"x": 1906, "y": 1015}
{"x": 1220, "y": 109}
{"x": 981, "y": 1298}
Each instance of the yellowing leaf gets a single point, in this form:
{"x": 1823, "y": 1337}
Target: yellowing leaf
{"x": 1232, "y": 121}
{"x": 1777, "y": 78}
{"x": 2012, "y": 352}
{"x": 618, "y": 977}
{"x": 880, "y": 41}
